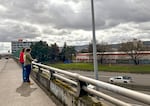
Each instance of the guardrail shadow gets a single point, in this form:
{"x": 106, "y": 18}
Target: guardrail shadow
{"x": 25, "y": 90}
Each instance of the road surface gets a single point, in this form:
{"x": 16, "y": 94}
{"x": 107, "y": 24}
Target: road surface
{"x": 138, "y": 79}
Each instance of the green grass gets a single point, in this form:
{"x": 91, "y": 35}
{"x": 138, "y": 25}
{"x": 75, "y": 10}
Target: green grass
{"x": 109, "y": 68}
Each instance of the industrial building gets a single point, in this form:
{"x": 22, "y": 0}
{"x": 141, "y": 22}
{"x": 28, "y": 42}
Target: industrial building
{"x": 17, "y": 45}
{"x": 114, "y": 57}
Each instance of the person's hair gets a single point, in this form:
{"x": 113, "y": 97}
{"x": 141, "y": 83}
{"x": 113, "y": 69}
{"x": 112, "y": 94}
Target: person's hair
{"x": 28, "y": 50}
{"x": 23, "y": 50}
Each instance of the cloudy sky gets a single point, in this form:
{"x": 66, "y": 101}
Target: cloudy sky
{"x": 70, "y": 20}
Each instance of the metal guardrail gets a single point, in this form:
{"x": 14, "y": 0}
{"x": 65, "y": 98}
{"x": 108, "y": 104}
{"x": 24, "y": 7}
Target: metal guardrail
{"x": 81, "y": 85}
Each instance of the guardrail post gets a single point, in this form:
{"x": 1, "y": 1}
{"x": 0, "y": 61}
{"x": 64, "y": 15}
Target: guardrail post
{"x": 51, "y": 74}
{"x": 38, "y": 73}
{"x": 51, "y": 77}
{"x": 80, "y": 90}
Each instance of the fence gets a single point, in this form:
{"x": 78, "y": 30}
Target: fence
{"x": 80, "y": 84}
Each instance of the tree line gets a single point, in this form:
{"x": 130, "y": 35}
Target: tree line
{"x": 132, "y": 48}
{"x": 45, "y": 53}
{"x": 51, "y": 54}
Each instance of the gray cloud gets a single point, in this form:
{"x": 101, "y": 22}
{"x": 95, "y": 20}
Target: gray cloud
{"x": 13, "y": 31}
{"x": 31, "y": 19}
{"x": 56, "y": 32}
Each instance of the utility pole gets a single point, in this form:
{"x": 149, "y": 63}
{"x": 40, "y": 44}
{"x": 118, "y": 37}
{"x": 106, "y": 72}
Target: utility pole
{"x": 94, "y": 42}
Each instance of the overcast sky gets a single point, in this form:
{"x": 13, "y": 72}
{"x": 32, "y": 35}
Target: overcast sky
{"x": 70, "y": 20}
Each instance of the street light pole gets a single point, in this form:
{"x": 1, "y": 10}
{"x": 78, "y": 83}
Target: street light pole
{"x": 94, "y": 42}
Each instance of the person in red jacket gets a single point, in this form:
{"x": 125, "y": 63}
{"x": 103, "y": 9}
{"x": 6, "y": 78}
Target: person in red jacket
{"x": 21, "y": 60}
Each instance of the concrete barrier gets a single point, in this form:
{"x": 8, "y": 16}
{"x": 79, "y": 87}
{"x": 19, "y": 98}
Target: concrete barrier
{"x": 63, "y": 92}
{"x": 72, "y": 89}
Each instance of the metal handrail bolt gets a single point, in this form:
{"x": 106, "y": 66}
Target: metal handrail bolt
{"x": 39, "y": 72}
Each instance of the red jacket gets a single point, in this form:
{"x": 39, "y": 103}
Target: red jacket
{"x": 21, "y": 57}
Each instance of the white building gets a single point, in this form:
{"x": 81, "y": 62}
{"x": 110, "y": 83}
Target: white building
{"x": 17, "y": 45}
{"x": 83, "y": 57}
{"x": 114, "y": 57}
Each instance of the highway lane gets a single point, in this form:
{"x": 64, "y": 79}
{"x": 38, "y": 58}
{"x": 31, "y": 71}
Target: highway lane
{"x": 138, "y": 79}
{"x": 123, "y": 98}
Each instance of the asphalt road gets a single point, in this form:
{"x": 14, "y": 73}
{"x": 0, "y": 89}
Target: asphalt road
{"x": 138, "y": 79}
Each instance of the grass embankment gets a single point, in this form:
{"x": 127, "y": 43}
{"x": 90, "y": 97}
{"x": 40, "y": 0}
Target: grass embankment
{"x": 109, "y": 68}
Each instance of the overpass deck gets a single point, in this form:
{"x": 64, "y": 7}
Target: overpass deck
{"x": 15, "y": 93}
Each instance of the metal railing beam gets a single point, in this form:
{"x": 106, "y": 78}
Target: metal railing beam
{"x": 144, "y": 98}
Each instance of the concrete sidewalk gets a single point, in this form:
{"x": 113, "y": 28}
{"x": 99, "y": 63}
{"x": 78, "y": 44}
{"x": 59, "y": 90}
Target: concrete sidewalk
{"x": 15, "y": 93}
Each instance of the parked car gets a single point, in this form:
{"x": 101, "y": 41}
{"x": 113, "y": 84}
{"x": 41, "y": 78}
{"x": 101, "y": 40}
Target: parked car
{"x": 120, "y": 79}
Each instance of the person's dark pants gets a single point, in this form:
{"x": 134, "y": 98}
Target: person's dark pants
{"x": 23, "y": 72}
{"x": 28, "y": 71}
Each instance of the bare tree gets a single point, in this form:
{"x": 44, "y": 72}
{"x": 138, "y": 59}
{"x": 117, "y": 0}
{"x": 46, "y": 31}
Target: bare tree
{"x": 101, "y": 48}
{"x": 133, "y": 49}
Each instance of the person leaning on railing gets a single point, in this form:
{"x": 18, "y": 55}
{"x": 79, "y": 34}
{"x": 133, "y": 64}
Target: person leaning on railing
{"x": 27, "y": 63}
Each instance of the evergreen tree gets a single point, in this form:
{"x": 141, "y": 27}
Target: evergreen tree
{"x": 41, "y": 51}
{"x": 67, "y": 53}
{"x": 54, "y": 52}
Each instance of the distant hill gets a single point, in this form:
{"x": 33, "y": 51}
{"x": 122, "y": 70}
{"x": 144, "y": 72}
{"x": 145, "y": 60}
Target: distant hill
{"x": 146, "y": 43}
{"x": 79, "y": 48}
{"x": 113, "y": 46}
